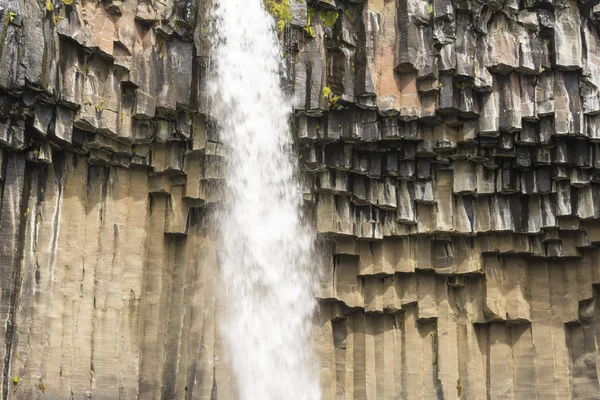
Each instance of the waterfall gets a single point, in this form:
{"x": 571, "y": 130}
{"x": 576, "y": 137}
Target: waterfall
{"x": 266, "y": 262}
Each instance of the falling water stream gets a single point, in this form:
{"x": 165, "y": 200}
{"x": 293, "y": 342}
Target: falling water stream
{"x": 265, "y": 268}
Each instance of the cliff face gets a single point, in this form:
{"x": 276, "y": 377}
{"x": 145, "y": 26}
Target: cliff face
{"x": 450, "y": 154}
{"x": 108, "y": 262}
{"x": 461, "y": 192}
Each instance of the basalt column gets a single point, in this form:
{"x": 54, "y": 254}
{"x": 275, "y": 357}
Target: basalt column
{"x": 449, "y": 163}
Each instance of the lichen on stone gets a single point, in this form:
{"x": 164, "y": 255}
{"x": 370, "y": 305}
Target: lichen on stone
{"x": 281, "y": 10}
{"x": 308, "y": 29}
{"x": 331, "y": 98}
{"x": 328, "y": 18}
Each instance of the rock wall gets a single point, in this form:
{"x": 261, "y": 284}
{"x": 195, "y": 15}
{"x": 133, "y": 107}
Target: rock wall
{"x": 453, "y": 159}
{"x": 450, "y": 153}
{"x": 108, "y": 172}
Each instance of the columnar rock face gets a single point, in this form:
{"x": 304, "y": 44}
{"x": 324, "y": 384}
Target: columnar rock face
{"x": 452, "y": 166}
{"x": 450, "y": 157}
{"x": 108, "y": 171}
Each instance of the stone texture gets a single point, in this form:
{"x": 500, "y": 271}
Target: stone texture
{"x": 487, "y": 133}
{"x": 450, "y": 159}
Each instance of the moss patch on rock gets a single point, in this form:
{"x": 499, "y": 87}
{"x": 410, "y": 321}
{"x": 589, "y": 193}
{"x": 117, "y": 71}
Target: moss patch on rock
{"x": 328, "y": 18}
{"x": 331, "y": 97}
{"x": 281, "y": 10}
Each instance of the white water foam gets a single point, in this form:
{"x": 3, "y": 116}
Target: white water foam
{"x": 266, "y": 266}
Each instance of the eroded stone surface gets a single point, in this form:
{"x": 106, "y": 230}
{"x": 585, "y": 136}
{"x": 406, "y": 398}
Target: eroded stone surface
{"x": 450, "y": 159}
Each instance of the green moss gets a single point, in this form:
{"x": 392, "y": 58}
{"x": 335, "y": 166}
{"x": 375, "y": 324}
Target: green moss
{"x": 328, "y": 18}
{"x": 308, "y": 29}
{"x": 281, "y": 10}
{"x": 49, "y": 5}
{"x": 430, "y": 9}
{"x": 458, "y": 387}
{"x": 16, "y": 380}
{"x": 11, "y": 16}
{"x": 100, "y": 106}
{"x": 330, "y": 97}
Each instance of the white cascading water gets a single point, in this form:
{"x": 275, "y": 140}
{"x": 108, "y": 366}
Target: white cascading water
{"x": 266, "y": 266}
